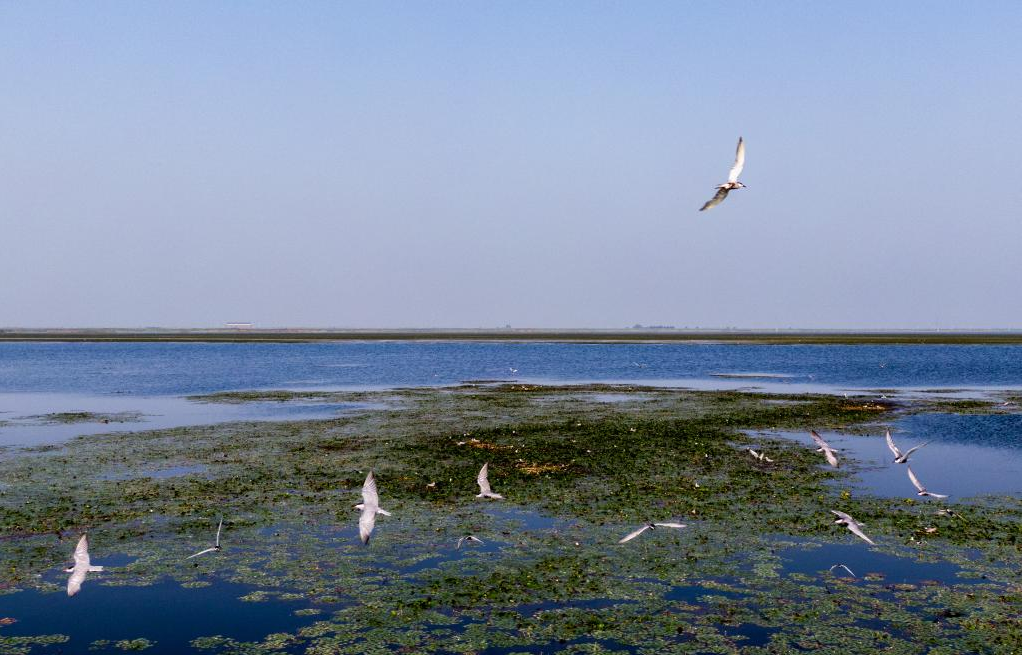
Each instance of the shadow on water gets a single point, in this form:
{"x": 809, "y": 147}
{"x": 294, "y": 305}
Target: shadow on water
{"x": 166, "y": 613}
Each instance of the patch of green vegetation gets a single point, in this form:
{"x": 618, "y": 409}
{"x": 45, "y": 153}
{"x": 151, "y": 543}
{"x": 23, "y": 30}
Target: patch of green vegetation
{"x": 87, "y": 417}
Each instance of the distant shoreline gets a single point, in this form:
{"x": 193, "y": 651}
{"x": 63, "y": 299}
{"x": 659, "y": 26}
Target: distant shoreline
{"x": 519, "y": 335}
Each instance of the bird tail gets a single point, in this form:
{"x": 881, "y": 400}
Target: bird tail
{"x": 95, "y": 569}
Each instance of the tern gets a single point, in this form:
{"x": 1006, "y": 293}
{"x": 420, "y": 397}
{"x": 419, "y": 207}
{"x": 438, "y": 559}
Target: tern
{"x": 901, "y": 457}
{"x": 470, "y": 538}
{"x": 842, "y": 566}
{"x": 81, "y": 567}
{"x": 649, "y": 526}
{"x": 824, "y": 448}
{"x": 853, "y": 525}
{"x": 216, "y": 547}
{"x": 483, "y": 481}
{"x": 919, "y": 485}
{"x": 760, "y": 456}
{"x": 732, "y": 179}
{"x": 370, "y": 507}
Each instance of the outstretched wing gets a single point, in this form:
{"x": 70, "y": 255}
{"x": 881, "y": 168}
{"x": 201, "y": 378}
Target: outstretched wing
{"x": 914, "y": 449}
{"x": 633, "y": 535}
{"x": 843, "y": 516}
{"x": 201, "y": 552}
{"x": 828, "y": 452}
{"x": 736, "y": 170}
{"x": 915, "y": 481}
{"x": 890, "y": 444}
{"x": 854, "y": 527}
{"x": 669, "y": 525}
{"x": 370, "y": 497}
{"x": 218, "y": 528}
{"x": 715, "y": 200}
{"x": 82, "y": 552}
{"x": 483, "y": 479}
{"x": 366, "y": 523}
{"x": 818, "y": 439}
{"x": 74, "y": 583}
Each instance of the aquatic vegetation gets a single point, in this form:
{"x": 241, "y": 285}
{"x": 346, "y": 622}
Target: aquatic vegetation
{"x": 577, "y": 473}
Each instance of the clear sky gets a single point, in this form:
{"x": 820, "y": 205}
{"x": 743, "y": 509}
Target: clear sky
{"x": 476, "y": 164}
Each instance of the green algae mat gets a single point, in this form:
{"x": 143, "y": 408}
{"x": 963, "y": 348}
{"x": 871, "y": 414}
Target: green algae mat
{"x": 579, "y": 467}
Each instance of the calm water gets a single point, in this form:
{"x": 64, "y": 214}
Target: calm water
{"x": 193, "y": 368}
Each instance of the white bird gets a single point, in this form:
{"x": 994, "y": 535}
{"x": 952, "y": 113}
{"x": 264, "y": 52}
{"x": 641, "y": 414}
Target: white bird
{"x": 919, "y": 485}
{"x": 732, "y": 178}
{"x": 842, "y": 566}
{"x": 825, "y": 448}
{"x": 81, "y": 567}
{"x": 649, "y": 526}
{"x": 483, "y": 481}
{"x": 370, "y": 507}
{"x": 469, "y": 538}
{"x": 760, "y": 456}
{"x": 853, "y": 525}
{"x": 901, "y": 457}
{"x": 216, "y": 547}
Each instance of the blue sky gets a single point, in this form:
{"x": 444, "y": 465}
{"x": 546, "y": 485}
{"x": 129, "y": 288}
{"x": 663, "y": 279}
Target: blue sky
{"x": 534, "y": 164}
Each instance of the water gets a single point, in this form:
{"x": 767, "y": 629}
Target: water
{"x": 156, "y": 369}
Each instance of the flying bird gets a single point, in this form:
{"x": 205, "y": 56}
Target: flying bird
{"x": 760, "y": 456}
{"x": 901, "y": 457}
{"x": 370, "y": 507}
{"x": 732, "y": 179}
{"x": 919, "y": 485}
{"x": 649, "y": 526}
{"x": 469, "y": 538}
{"x": 216, "y": 547}
{"x": 853, "y": 525}
{"x": 483, "y": 481}
{"x": 825, "y": 448}
{"x": 842, "y": 566}
{"x": 81, "y": 566}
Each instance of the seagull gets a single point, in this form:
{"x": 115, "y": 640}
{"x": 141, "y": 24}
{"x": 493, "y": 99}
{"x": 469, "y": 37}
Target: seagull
{"x": 81, "y": 567}
{"x": 824, "y": 448}
{"x": 732, "y": 179}
{"x": 919, "y": 485}
{"x": 214, "y": 548}
{"x": 483, "y": 481}
{"x": 842, "y": 566}
{"x": 649, "y": 526}
{"x": 469, "y": 538}
{"x": 760, "y": 456}
{"x": 853, "y": 525}
{"x": 901, "y": 457}
{"x": 370, "y": 507}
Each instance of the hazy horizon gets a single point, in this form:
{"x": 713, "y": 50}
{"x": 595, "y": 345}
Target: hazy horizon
{"x": 527, "y": 164}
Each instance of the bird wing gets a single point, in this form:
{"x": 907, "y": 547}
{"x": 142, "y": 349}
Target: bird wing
{"x": 669, "y": 525}
{"x": 460, "y": 541}
{"x": 831, "y": 457}
{"x": 633, "y": 535}
{"x": 854, "y": 527}
{"x": 366, "y": 523}
{"x": 218, "y": 528}
{"x": 915, "y": 481}
{"x": 483, "y": 479}
{"x": 914, "y": 449}
{"x": 74, "y": 583}
{"x": 843, "y": 516}
{"x": 715, "y": 200}
{"x": 82, "y": 553}
{"x": 201, "y": 552}
{"x": 890, "y": 444}
{"x": 736, "y": 170}
{"x": 818, "y": 439}
{"x": 370, "y": 497}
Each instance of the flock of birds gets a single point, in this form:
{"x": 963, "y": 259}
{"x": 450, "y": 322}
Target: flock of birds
{"x": 370, "y": 508}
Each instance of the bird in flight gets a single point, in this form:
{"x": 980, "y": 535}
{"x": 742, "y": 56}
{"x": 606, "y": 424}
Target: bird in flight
{"x": 732, "y": 179}
{"x": 649, "y": 526}
{"x": 370, "y": 507}
{"x": 216, "y": 547}
{"x": 824, "y": 448}
{"x": 483, "y": 480}
{"x": 853, "y": 525}
{"x": 919, "y": 485}
{"x": 81, "y": 566}
{"x": 760, "y": 456}
{"x": 901, "y": 457}
{"x": 469, "y": 538}
{"x": 842, "y": 566}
